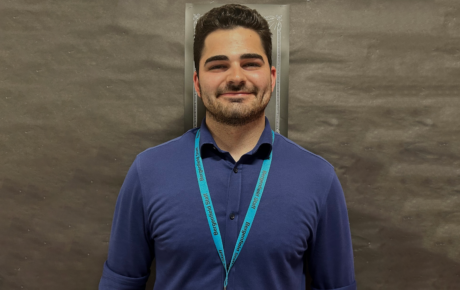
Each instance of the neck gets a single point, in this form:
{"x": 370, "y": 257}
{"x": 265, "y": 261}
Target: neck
{"x": 237, "y": 140}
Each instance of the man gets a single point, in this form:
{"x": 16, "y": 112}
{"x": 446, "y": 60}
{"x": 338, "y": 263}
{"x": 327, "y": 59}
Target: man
{"x": 231, "y": 204}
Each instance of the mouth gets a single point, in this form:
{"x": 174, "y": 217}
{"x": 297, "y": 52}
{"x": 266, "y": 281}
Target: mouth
{"x": 236, "y": 94}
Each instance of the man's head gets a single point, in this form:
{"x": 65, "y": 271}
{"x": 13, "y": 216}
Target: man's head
{"x": 228, "y": 17}
{"x": 234, "y": 76}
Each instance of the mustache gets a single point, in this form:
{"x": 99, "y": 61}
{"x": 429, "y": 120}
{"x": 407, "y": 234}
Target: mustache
{"x": 231, "y": 88}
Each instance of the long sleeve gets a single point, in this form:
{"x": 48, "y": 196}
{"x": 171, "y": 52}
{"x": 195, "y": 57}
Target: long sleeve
{"x": 330, "y": 254}
{"x": 130, "y": 248}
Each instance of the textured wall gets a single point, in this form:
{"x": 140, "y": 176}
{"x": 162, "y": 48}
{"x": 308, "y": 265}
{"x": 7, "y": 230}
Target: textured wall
{"x": 86, "y": 85}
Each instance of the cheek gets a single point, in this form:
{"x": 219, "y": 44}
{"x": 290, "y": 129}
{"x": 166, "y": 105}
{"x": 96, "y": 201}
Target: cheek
{"x": 260, "y": 80}
{"x": 211, "y": 83}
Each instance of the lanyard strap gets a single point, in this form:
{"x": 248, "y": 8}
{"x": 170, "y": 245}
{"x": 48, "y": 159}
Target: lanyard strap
{"x": 211, "y": 215}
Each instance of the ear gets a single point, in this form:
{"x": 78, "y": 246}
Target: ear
{"x": 196, "y": 84}
{"x": 273, "y": 77}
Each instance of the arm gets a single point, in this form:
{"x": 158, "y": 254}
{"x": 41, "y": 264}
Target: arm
{"x": 330, "y": 254}
{"x": 130, "y": 247}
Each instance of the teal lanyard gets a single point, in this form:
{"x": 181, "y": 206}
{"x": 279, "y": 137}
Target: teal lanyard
{"x": 211, "y": 215}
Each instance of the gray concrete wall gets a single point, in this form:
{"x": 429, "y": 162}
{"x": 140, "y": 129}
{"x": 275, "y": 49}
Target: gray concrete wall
{"x": 86, "y": 85}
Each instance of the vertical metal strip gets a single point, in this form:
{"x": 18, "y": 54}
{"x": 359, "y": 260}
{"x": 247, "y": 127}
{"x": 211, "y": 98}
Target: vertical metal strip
{"x": 278, "y": 75}
{"x": 195, "y": 95}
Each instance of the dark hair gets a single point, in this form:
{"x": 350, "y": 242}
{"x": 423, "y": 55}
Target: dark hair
{"x": 228, "y": 17}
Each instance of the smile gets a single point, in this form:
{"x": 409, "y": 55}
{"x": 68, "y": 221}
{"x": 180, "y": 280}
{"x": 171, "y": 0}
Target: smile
{"x": 236, "y": 94}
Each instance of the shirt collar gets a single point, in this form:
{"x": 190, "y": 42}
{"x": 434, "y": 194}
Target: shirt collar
{"x": 261, "y": 150}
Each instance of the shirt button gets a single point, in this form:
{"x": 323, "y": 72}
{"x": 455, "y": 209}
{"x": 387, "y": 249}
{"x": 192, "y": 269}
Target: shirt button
{"x": 213, "y": 147}
{"x": 232, "y": 216}
{"x": 235, "y": 170}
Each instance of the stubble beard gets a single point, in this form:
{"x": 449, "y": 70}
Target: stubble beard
{"x": 234, "y": 114}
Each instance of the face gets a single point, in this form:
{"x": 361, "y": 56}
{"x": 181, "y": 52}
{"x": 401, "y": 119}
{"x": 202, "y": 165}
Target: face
{"x": 235, "y": 80}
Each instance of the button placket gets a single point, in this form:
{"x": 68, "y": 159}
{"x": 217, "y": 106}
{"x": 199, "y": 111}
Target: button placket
{"x": 234, "y": 192}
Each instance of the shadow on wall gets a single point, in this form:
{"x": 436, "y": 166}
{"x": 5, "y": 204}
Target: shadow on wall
{"x": 390, "y": 258}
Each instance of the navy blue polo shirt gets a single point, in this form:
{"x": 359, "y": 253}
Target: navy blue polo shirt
{"x": 301, "y": 220}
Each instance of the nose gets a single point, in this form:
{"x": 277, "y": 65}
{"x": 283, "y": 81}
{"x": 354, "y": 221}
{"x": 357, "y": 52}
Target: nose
{"x": 236, "y": 75}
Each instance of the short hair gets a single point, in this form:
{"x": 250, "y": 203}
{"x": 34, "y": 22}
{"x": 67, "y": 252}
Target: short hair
{"x": 231, "y": 16}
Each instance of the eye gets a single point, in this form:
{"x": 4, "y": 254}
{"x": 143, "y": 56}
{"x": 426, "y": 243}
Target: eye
{"x": 252, "y": 64}
{"x": 217, "y": 67}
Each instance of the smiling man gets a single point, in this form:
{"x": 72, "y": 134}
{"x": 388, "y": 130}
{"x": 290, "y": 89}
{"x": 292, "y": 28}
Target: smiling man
{"x": 236, "y": 81}
{"x": 231, "y": 205}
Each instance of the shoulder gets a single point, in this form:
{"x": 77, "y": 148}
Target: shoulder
{"x": 171, "y": 146}
{"x": 291, "y": 149}
{"x": 168, "y": 153}
{"x": 303, "y": 164}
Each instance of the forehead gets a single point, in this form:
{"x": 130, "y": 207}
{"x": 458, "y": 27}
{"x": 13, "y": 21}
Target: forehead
{"x": 234, "y": 42}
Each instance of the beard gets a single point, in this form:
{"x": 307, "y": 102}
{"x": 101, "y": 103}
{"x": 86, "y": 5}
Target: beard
{"x": 236, "y": 113}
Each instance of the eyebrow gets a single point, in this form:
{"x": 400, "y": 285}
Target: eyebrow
{"x": 243, "y": 56}
{"x": 252, "y": 55}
